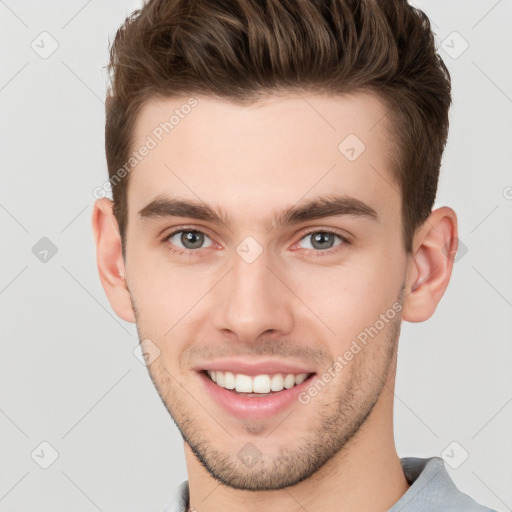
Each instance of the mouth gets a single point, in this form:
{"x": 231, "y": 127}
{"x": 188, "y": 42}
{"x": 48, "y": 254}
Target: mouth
{"x": 256, "y": 386}
{"x": 254, "y": 397}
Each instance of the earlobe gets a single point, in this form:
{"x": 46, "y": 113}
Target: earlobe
{"x": 431, "y": 264}
{"x": 109, "y": 259}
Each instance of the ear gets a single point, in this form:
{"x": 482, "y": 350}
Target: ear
{"x": 109, "y": 258}
{"x": 430, "y": 266}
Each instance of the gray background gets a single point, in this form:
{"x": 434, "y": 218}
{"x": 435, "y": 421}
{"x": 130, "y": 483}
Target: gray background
{"x": 69, "y": 376}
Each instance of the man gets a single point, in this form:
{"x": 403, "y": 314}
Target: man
{"x": 274, "y": 165}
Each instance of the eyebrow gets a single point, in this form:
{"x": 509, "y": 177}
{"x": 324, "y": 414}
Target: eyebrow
{"x": 316, "y": 208}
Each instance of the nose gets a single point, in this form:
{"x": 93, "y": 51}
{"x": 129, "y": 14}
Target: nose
{"x": 254, "y": 301}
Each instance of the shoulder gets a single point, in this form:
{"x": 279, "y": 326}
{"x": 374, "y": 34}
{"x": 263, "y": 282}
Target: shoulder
{"x": 178, "y": 502}
{"x": 432, "y": 489}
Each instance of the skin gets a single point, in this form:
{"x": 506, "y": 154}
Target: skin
{"x": 294, "y": 302}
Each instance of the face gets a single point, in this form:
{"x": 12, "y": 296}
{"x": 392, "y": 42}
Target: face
{"x": 260, "y": 240}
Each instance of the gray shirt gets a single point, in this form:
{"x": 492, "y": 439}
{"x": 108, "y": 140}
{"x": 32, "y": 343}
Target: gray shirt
{"x": 432, "y": 490}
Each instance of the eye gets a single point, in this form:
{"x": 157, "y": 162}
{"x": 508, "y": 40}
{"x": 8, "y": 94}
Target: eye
{"x": 189, "y": 239}
{"x": 322, "y": 240}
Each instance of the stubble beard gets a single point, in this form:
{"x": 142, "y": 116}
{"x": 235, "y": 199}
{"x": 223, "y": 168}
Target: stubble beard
{"x": 330, "y": 427}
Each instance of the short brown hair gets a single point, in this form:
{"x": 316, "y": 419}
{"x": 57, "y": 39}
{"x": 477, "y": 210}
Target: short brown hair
{"x": 241, "y": 50}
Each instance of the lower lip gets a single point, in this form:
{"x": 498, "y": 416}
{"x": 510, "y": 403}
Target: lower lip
{"x": 256, "y": 407}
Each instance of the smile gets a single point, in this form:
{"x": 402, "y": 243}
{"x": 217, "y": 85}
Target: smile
{"x": 256, "y": 397}
{"x": 259, "y": 384}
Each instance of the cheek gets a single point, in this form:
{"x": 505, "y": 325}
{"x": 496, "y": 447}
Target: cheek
{"x": 349, "y": 297}
{"x": 167, "y": 296}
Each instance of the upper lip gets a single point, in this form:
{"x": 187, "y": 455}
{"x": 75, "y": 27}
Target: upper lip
{"x": 252, "y": 368}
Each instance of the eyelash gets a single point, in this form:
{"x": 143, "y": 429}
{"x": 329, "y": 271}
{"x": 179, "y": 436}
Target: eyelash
{"x": 317, "y": 252}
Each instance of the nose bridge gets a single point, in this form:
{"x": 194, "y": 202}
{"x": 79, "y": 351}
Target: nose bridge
{"x": 254, "y": 300}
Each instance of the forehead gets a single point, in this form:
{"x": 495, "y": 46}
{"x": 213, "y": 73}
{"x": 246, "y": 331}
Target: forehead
{"x": 272, "y": 152}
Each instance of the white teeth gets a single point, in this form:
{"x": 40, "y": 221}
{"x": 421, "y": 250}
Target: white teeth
{"x": 299, "y": 379}
{"x": 289, "y": 381}
{"x": 261, "y": 384}
{"x": 243, "y": 383}
{"x": 258, "y": 384}
{"x": 276, "y": 383}
{"x": 229, "y": 380}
